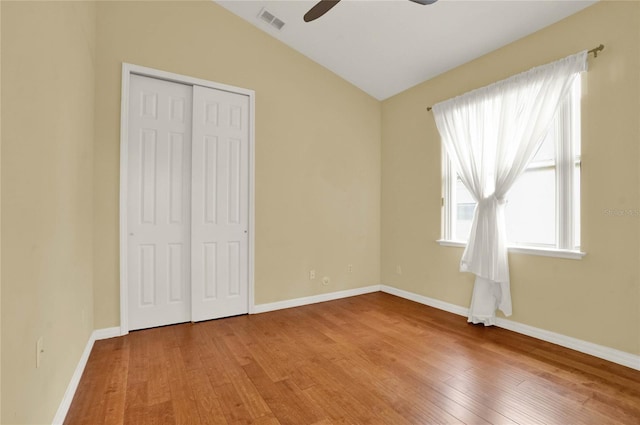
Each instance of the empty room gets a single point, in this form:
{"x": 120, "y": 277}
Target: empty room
{"x": 320, "y": 212}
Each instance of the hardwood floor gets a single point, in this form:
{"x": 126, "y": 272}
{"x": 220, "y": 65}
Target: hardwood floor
{"x": 371, "y": 359}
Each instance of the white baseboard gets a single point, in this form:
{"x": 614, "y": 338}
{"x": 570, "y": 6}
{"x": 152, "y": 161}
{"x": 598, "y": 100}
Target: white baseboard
{"x": 106, "y": 333}
{"x": 297, "y": 302}
{"x": 431, "y": 302}
{"x": 65, "y": 404}
{"x": 610, "y": 354}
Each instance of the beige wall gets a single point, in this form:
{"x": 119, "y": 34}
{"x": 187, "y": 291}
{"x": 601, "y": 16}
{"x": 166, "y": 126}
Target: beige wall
{"x": 317, "y": 147}
{"x": 0, "y": 217}
{"x": 47, "y": 153}
{"x": 596, "y": 299}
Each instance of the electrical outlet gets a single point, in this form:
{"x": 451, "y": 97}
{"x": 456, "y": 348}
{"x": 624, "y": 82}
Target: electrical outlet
{"x": 398, "y": 270}
{"x": 326, "y": 280}
{"x": 39, "y": 350}
{"x": 312, "y": 274}
{"x": 350, "y": 268}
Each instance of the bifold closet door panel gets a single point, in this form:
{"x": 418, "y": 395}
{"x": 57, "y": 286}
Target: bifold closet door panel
{"x": 159, "y": 202}
{"x": 220, "y": 204}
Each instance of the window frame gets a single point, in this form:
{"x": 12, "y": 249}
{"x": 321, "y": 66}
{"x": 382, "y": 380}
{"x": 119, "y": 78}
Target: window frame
{"x": 567, "y": 205}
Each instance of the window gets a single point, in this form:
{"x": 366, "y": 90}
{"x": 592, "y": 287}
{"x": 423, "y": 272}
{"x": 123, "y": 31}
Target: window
{"x": 543, "y": 206}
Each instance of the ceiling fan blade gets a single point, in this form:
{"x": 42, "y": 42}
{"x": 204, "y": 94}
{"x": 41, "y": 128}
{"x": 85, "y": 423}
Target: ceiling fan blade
{"x": 319, "y": 9}
{"x": 424, "y": 2}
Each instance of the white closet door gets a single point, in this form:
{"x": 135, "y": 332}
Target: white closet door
{"x": 220, "y": 204}
{"x": 159, "y": 197}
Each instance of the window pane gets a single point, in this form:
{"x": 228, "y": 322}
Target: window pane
{"x": 531, "y": 208}
{"x": 576, "y": 206}
{"x": 464, "y": 211}
{"x": 547, "y": 151}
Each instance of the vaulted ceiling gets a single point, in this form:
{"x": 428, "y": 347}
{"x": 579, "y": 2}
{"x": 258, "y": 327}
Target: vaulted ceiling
{"x": 386, "y": 46}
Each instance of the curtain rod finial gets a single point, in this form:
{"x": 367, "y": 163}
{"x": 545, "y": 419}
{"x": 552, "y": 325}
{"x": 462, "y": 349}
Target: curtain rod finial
{"x": 596, "y": 50}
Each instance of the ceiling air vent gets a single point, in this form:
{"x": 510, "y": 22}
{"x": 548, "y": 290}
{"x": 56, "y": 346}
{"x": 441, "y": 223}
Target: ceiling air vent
{"x": 270, "y": 19}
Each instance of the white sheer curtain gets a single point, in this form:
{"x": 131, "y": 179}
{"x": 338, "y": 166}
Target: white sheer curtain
{"x": 491, "y": 134}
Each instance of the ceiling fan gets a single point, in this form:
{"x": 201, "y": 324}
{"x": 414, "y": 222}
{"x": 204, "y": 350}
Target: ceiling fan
{"x": 323, "y": 6}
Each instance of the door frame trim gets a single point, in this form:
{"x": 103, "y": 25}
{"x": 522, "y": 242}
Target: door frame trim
{"x": 131, "y": 69}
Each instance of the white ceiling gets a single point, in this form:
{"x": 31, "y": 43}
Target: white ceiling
{"x": 386, "y": 46}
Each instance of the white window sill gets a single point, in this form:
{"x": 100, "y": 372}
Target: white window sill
{"x": 543, "y": 252}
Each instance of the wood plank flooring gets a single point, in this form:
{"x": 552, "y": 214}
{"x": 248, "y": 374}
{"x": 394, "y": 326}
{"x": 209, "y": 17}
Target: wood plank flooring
{"x": 370, "y": 359}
